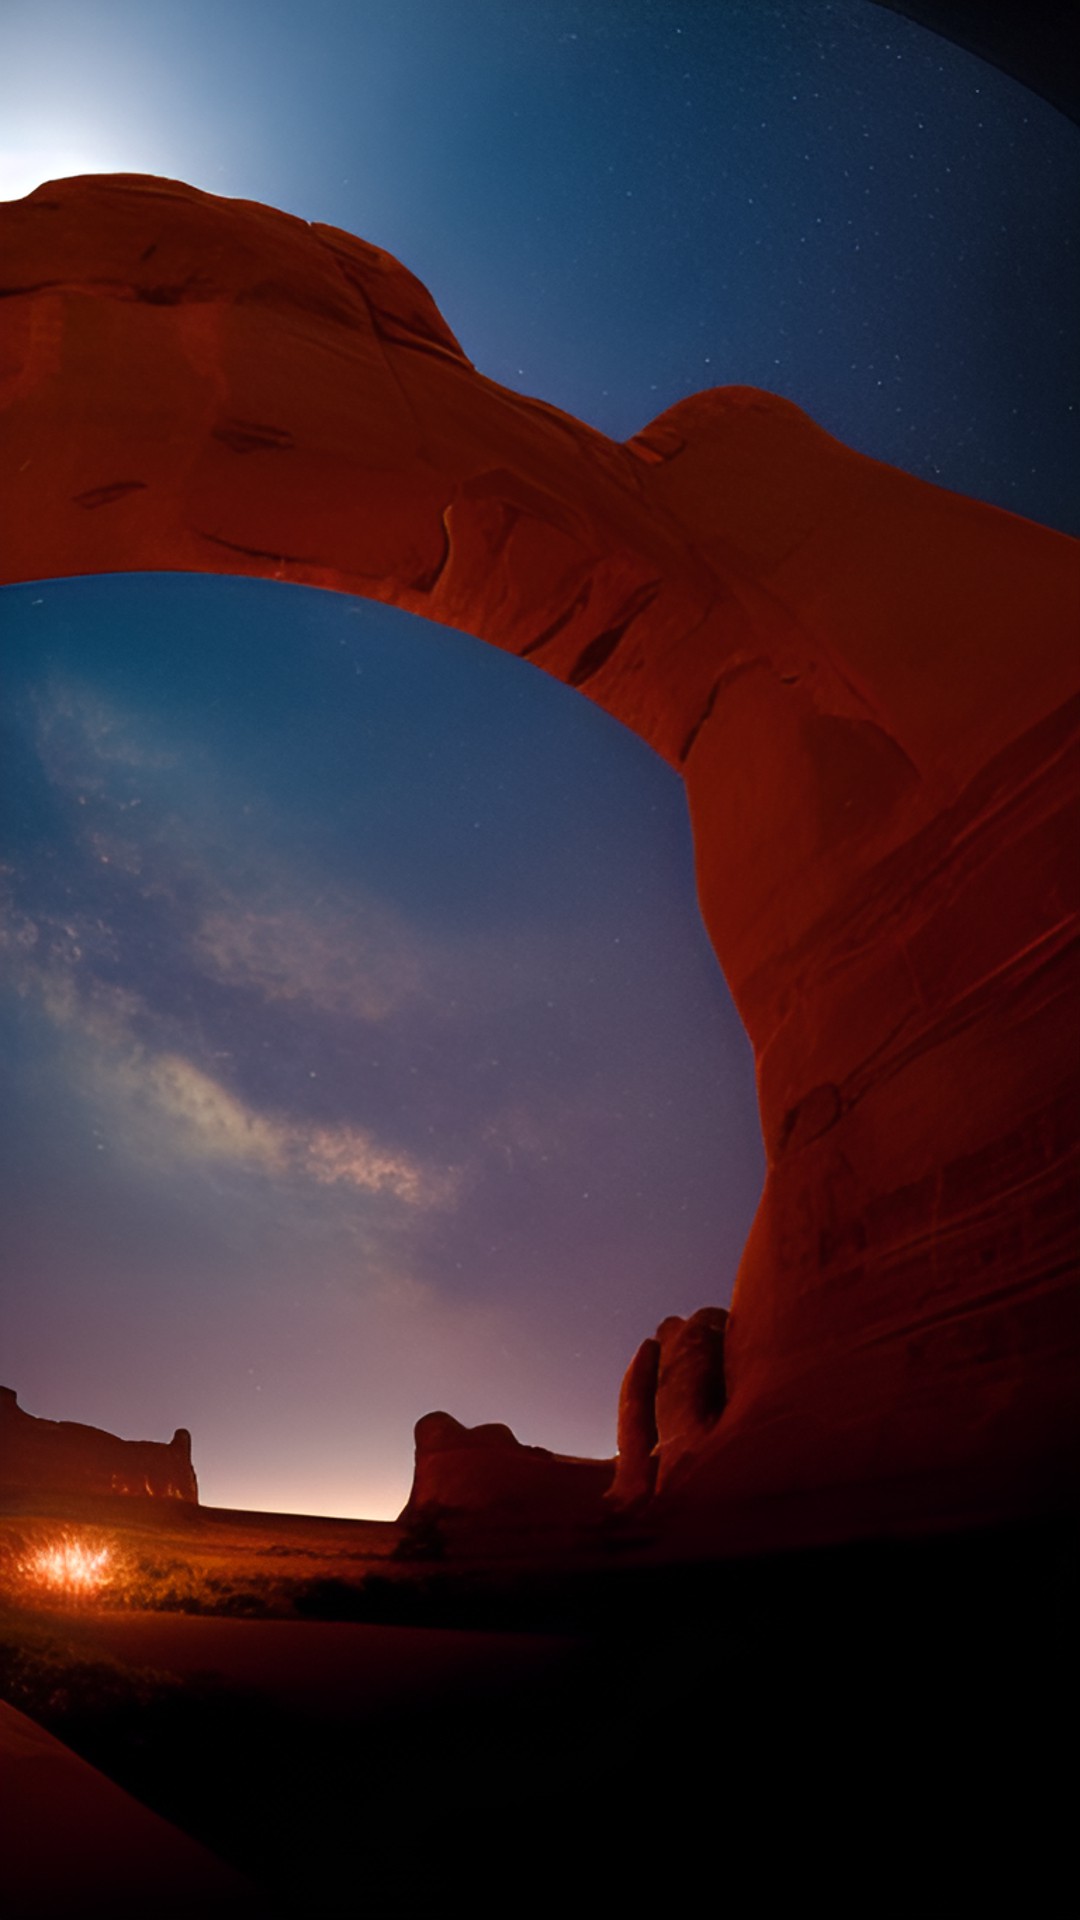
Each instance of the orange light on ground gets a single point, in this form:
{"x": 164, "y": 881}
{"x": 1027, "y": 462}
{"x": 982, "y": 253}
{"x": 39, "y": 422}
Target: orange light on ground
{"x": 70, "y": 1569}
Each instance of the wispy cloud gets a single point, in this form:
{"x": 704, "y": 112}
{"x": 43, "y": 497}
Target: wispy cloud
{"x": 144, "y": 908}
{"x": 162, "y": 818}
{"x": 85, "y": 742}
{"x": 224, "y": 1004}
{"x": 162, "y": 1102}
{"x": 345, "y": 956}
{"x": 207, "y": 1120}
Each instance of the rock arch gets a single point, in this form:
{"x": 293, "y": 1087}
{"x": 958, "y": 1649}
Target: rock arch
{"x": 870, "y": 686}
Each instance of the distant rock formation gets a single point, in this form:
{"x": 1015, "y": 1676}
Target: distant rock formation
{"x": 672, "y": 1395}
{"x": 61, "y": 1456}
{"x": 486, "y": 1471}
{"x": 870, "y": 687}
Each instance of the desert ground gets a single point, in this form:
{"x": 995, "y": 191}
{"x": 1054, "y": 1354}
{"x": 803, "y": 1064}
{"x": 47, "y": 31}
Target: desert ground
{"x": 319, "y": 1719}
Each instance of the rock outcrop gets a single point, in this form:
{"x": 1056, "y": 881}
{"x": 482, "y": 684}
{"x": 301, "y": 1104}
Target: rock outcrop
{"x": 636, "y": 1461}
{"x": 870, "y": 686}
{"x": 485, "y": 1471}
{"x": 690, "y": 1390}
{"x": 673, "y": 1393}
{"x": 61, "y": 1456}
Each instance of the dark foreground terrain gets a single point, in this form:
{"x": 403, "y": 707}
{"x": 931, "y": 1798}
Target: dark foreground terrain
{"x": 357, "y": 1728}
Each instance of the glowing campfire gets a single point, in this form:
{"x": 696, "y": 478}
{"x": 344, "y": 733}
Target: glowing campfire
{"x": 70, "y": 1569}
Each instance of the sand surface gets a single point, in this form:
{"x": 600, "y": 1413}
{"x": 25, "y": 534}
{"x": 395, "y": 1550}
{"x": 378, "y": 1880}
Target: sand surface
{"x": 331, "y": 1669}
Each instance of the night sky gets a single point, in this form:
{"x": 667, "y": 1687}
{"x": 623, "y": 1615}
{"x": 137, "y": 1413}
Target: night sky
{"x": 366, "y": 1053}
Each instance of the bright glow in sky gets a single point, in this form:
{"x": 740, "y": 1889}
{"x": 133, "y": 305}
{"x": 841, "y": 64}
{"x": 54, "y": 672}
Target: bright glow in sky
{"x": 29, "y": 164}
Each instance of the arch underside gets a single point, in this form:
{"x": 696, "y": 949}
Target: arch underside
{"x": 870, "y": 687}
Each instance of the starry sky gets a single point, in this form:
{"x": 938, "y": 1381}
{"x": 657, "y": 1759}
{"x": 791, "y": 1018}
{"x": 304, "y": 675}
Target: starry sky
{"x": 365, "y": 1050}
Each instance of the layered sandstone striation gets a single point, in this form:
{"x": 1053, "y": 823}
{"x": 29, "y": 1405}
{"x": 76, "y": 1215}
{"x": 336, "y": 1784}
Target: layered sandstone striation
{"x": 62, "y": 1456}
{"x": 870, "y": 686}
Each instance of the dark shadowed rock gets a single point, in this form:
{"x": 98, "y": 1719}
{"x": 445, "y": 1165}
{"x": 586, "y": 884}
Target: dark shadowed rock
{"x": 635, "y": 1466}
{"x": 1038, "y": 43}
{"x": 690, "y": 1391}
{"x": 62, "y": 1456}
{"x": 76, "y": 1843}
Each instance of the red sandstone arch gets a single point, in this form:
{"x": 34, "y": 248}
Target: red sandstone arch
{"x": 870, "y": 686}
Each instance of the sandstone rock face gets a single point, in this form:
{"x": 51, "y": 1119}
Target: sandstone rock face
{"x": 690, "y": 1389}
{"x": 485, "y": 1470}
{"x": 673, "y": 1393}
{"x": 61, "y": 1456}
{"x": 870, "y": 686}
